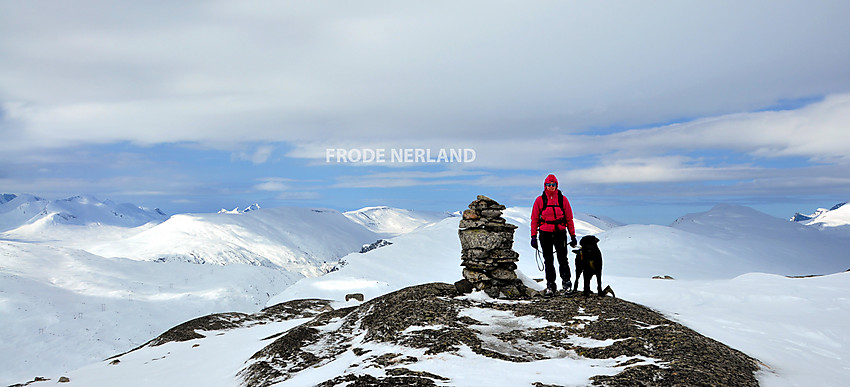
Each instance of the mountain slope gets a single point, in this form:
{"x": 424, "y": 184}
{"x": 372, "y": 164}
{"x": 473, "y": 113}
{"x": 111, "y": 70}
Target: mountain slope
{"x": 743, "y": 240}
{"x": 392, "y": 222}
{"x": 720, "y": 244}
{"x": 796, "y": 326}
{"x": 64, "y": 308}
{"x": 301, "y": 240}
{"x": 430, "y": 335}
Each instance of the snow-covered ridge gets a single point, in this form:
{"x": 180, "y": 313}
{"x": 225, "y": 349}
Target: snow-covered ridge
{"x": 301, "y": 240}
{"x": 798, "y": 217}
{"x": 67, "y": 279}
{"x": 837, "y": 216}
{"x": 390, "y": 222}
{"x": 835, "y": 220}
{"x": 706, "y": 253}
{"x": 39, "y": 214}
{"x": 236, "y": 210}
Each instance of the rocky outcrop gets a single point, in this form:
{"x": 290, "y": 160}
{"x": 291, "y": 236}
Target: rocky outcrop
{"x": 407, "y": 338}
{"x": 233, "y": 320}
{"x": 487, "y": 254}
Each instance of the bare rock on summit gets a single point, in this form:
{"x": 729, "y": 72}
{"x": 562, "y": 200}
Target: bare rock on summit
{"x": 379, "y": 340}
{"x": 395, "y": 340}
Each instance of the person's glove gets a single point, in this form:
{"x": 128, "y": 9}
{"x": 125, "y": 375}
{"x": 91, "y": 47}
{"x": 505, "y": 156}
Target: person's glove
{"x": 573, "y": 241}
{"x": 534, "y": 242}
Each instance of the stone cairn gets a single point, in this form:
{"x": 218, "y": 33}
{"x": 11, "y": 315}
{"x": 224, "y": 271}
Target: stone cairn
{"x": 489, "y": 260}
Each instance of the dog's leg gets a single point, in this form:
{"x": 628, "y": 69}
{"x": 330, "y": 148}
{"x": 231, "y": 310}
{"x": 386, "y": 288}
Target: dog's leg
{"x": 608, "y": 290}
{"x": 599, "y": 282}
{"x": 578, "y": 270}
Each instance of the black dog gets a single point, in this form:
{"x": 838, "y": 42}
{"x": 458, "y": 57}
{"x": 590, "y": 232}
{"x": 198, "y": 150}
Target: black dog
{"x": 589, "y": 264}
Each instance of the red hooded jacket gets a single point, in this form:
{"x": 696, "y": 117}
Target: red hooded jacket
{"x": 552, "y": 212}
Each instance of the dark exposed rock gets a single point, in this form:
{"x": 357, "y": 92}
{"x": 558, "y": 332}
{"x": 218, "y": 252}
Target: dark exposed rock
{"x": 650, "y": 349}
{"x": 487, "y": 255}
{"x": 354, "y": 296}
{"x": 384, "y": 341}
{"x": 371, "y": 381}
{"x": 464, "y": 286}
{"x": 375, "y": 245}
{"x": 36, "y": 380}
{"x": 221, "y": 321}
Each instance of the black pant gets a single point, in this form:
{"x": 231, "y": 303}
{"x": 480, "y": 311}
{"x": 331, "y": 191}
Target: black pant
{"x": 558, "y": 240}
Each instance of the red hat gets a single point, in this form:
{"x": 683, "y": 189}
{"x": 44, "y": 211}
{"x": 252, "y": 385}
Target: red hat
{"x": 551, "y": 179}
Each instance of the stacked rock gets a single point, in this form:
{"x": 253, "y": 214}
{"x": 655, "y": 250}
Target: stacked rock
{"x": 487, "y": 254}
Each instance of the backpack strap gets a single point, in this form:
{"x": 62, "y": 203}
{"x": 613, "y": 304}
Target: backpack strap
{"x": 562, "y": 219}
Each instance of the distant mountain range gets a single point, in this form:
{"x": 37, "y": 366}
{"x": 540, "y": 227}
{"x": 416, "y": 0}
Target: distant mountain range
{"x": 236, "y": 210}
{"x": 303, "y": 240}
{"x": 835, "y": 220}
{"x": 30, "y": 210}
{"x": 822, "y": 213}
{"x": 253, "y": 257}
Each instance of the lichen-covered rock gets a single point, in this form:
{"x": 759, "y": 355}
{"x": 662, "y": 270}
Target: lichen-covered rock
{"x": 375, "y": 344}
{"x": 487, "y": 254}
{"x": 223, "y": 321}
{"x": 395, "y": 340}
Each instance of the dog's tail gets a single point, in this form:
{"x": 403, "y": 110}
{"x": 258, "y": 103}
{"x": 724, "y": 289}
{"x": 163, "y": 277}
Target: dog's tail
{"x": 607, "y": 291}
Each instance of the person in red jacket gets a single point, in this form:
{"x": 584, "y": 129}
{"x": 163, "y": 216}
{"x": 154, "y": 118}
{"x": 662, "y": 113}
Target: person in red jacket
{"x": 552, "y": 216}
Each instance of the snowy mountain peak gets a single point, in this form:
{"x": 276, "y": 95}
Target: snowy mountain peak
{"x": 4, "y": 198}
{"x": 17, "y": 211}
{"x": 236, "y": 210}
{"x": 83, "y": 199}
{"x": 799, "y": 217}
{"x": 835, "y": 220}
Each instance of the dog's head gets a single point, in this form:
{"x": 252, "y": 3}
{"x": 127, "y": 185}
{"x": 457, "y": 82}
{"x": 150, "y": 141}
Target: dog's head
{"x": 588, "y": 241}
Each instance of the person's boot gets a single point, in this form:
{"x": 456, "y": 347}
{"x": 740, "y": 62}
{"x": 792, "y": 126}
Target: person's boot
{"x": 568, "y": 286}
{"x": 550, "y": 289}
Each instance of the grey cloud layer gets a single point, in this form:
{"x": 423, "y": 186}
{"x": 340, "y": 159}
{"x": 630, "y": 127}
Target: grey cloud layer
{"x": 588, "y": 89}
{"x": 295, "y": 72}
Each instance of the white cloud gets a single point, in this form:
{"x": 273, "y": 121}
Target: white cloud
{"x": 298, "y": 72}
{"x": 817, "y": 131}
{"x": 272, "y": 185}
{"x": 259, "y": 156}
{"x": 655, "y": 170}
{"x": 286, "y": 189}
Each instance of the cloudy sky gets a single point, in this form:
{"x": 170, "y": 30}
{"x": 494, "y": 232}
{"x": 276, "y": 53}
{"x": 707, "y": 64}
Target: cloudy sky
{"x": 644, "y": 110}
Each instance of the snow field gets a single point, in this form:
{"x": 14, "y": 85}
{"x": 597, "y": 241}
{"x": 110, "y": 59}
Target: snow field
{"x": 63, "y": 307}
